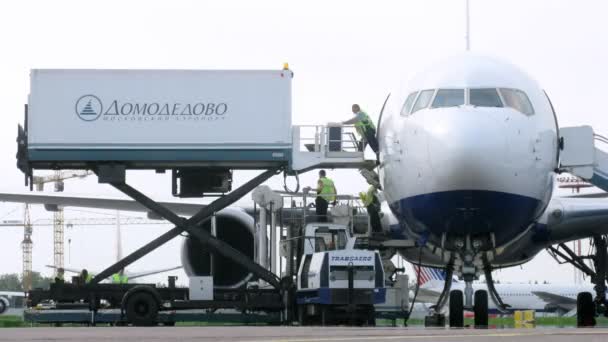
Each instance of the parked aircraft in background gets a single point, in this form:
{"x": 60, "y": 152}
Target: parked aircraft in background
{"x": 560, "y": 299}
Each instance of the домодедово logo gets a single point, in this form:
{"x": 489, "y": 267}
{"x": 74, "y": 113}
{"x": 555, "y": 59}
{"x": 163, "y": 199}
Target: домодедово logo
{"x": 89, "y": 108}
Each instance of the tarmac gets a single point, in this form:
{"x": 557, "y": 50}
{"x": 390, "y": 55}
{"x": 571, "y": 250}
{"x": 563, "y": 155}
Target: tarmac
{"x": 299, "y": 334}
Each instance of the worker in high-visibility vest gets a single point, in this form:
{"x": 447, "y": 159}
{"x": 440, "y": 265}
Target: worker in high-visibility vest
{"x": 118, "y": 278}
{"x": 85, "y": 277}
{"x": 372, "y": 204}
{"x": 326, "y": 193}
{"x": 365, "y": 127}
{"x": 59, "y": 278}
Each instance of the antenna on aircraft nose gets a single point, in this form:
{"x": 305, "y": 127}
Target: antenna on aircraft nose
{"x": 467, "y": 28}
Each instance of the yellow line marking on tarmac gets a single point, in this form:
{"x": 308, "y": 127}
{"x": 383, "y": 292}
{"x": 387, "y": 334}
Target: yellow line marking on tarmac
{"x": 409, "y": 337}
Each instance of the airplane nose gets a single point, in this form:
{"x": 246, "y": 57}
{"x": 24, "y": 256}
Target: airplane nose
{"x": 467, "y": 149}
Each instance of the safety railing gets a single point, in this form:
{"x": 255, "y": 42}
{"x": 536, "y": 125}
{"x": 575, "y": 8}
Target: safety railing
{"x": 330, "y": 138}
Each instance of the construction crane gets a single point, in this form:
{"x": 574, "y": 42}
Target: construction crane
{"x": 26, "y": 247}
{"x": 87, "y": 221}
{"x": 58, "y": 178}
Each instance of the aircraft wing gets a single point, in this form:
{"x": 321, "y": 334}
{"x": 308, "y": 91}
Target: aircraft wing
{"x": 66, "y": 269}
{"x": 135, "y": 275}
{"x": 556, "y": 301}
{"x": 180, "y": 208}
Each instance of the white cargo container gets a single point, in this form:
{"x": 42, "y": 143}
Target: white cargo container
{"x": 159, "y": 115}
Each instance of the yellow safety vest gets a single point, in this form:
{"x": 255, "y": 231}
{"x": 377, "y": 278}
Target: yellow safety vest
{"x": 368, "y": 198}
{"x": 88, "y": 278}
{"x": 124, "y": 279}
{"x": 363, "y": 124}
{"x": 327, "y": 191}
{"x": 116, "y": 279}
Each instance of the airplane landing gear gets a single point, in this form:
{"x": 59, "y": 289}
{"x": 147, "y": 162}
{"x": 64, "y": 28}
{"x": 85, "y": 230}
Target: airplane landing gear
{"x": 456, "y": 309}
{"x": 585, "y": 310}
{"x": 587, "y": 306}
{"x": 480, "y": 309}
{"x": 437, "y": 319}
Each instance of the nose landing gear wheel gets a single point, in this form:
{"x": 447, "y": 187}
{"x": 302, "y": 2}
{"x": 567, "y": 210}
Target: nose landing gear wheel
{"x": 585, "y": 310}
{"x": 456, "y": 309}
{"x": 480, "y": 308}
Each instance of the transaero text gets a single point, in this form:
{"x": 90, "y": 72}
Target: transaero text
{"x": 351, "y": 258}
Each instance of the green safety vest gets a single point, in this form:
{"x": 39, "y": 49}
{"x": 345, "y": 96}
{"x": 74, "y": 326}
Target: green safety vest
{"x": 119, "y": 279}
{"x": 327, "y": 191}
{"x": 88, "y": 278}
{"x": 363, "y": 124}
{"x": 368, "y": 198}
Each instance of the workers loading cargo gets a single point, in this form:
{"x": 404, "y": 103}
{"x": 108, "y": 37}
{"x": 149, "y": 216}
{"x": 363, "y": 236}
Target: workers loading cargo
{"x": 372, "y": 204}
{"x": 365, "y": 127}
{"x": 118, "y": 278}
{"x": 326, "y": 193}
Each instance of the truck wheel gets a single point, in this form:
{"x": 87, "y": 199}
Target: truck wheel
{"x": 142, "y": 309}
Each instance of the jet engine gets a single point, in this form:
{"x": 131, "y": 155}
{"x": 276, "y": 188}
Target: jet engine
{"x": 4, "y": 304}
{"x": 236, "y": 228}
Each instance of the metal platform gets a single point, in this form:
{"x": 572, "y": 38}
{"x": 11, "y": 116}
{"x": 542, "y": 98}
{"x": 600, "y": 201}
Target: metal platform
{"x": 113, "y": 316}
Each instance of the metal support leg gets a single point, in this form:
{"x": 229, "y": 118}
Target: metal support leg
{"x": 500, "y": 305}
{"x": 600, "y": 271}
{"x": 468, "y": 294}
{"x": 214, "y": 234}
{"x": 445, "y": 293}
{"x": 273, "y": 240}
{"x": 262, "y": 239}
{"x": 180, "y": 223}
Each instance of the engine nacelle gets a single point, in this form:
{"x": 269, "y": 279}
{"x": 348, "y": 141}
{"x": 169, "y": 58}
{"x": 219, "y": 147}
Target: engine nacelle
{"x": 4, "y": 305}
{"x": 236, "y": 228}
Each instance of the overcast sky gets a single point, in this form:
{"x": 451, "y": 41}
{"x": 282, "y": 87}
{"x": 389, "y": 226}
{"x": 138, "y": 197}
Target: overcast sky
{"x": 342, "y": 52}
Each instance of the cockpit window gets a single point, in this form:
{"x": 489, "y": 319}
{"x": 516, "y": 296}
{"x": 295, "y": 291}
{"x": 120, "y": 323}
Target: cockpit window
{"x": 407, "y": 106}
{"x": 423, "y": 100}
{"x": 487, "y": 97}
{"x": 448, "y": 98}
{"x": 517, "y": 100}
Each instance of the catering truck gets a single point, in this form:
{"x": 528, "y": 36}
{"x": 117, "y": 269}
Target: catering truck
{"x": 337, "y": 284}
{"x": 181, "y": 120}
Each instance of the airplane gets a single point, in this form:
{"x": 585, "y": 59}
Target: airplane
{"x": 554, "y": 298}
{"x": 125, "y": 276}
{"x": 469, "y": 150}
{"x": 11, "y": 302}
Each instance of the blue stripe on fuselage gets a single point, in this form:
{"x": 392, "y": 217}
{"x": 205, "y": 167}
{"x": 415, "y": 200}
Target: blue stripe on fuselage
{"x": 463, "y": 212}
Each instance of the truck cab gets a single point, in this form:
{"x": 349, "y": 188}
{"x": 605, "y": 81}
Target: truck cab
{"x": 337, "y": 282}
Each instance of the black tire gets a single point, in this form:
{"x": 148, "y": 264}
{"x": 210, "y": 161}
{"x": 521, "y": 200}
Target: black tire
{"x": 142, "y": 309}
{"x": 585, "y": 310}
{"x": 480, "y": 308}
{"x": 456, "y": 309}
